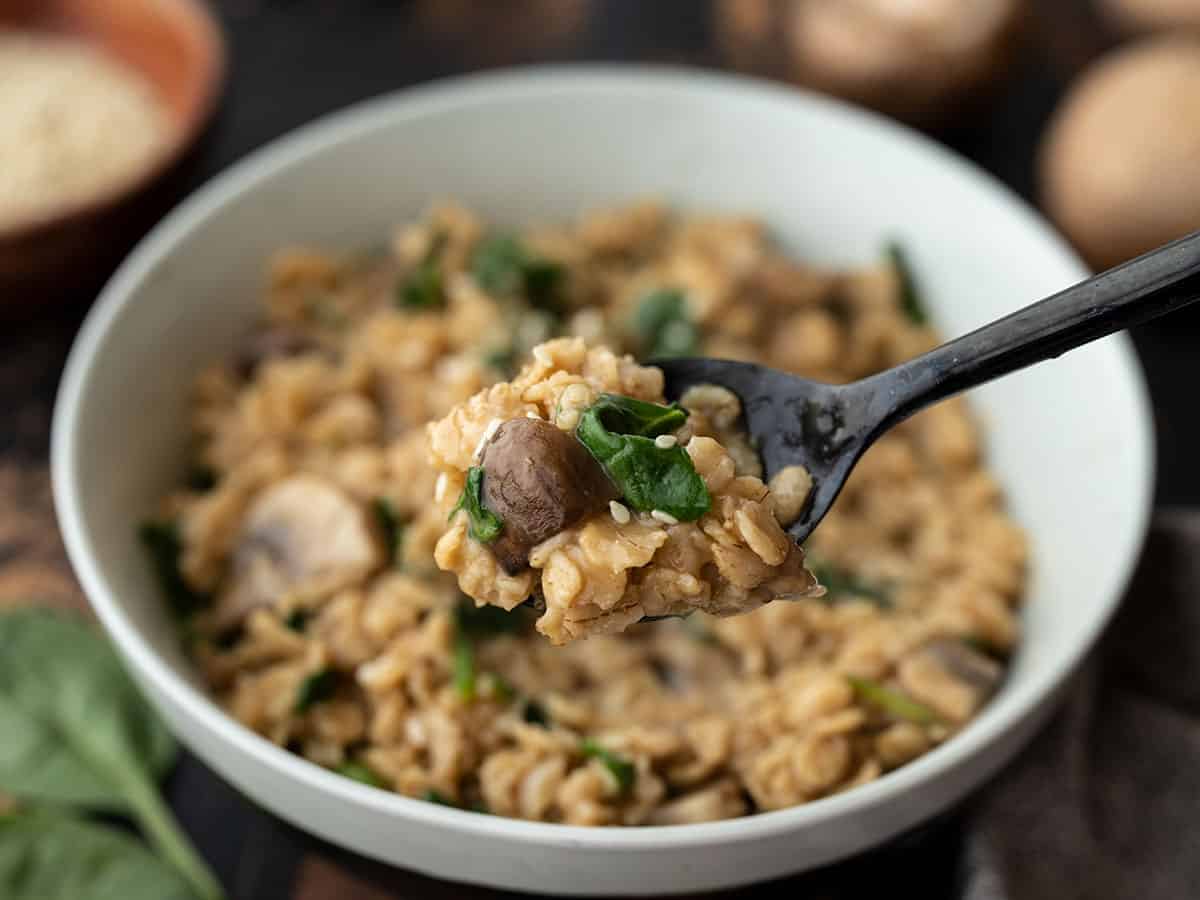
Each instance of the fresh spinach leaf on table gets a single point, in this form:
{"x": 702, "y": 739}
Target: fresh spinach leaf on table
{"x": 76, "y": 733}
{"x": 52, "y": 856}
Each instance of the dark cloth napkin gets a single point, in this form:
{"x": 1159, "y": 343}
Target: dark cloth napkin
{"x": 1106, "y": 802}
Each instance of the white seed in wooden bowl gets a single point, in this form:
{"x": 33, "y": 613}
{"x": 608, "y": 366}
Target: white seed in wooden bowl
{"x": 74, "y": 124}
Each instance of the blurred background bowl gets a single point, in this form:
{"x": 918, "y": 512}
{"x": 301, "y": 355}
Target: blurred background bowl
{"x": 177, "y": 47}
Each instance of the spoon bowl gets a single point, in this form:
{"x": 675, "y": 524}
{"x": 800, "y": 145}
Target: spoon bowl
{"x": 791, "y": 420}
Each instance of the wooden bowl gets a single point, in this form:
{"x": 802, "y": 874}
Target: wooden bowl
{"x": 177, "y": 46}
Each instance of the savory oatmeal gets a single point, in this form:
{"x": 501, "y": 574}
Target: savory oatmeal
{"x": 302, "y": 555}
{"x": 574, "y": 488}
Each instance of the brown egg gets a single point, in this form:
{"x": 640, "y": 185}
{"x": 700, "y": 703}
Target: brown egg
{"x": 1120, "y": 162}
{"x": 1146, "y": 15}
{"x": 916, "y": 60}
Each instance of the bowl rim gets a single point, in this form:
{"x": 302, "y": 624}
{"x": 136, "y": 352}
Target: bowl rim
{"x": 182, "y": 138}
{"x": 323, "y": 135}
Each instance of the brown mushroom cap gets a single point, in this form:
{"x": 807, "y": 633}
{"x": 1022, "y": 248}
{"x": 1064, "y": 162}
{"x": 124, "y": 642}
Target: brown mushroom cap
{"x": 302, "y": 533}
{"x": 539, "y": 480}
{"x": 916, "y": 60}
{"x": 1118, "y": 164}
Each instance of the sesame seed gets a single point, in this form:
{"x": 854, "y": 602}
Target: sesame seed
{"x": 439, "y": 488}
{"x": 619, "y": 512}
{"x": 665, "y": 517}
{"x": 665, "y": 441}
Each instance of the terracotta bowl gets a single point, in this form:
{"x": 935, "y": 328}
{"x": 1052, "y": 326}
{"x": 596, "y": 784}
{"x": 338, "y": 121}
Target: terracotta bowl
{"x": 178, "y": 47}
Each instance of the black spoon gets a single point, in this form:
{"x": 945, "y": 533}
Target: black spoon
{"x": 827, "y": 428}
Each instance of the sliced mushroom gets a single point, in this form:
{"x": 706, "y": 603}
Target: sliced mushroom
{"x": 302, "y": 533}
{"x": 272, "y": 342}
{"x": 950, "y": 676}
{"x": 539, "y": 480}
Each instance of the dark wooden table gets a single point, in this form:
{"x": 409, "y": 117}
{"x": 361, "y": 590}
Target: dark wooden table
{"x": 293, "y": 60}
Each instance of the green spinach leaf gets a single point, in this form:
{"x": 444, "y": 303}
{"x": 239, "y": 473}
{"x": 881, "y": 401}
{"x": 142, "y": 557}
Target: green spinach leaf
{"x": 892, "y": 702}
{"x": 202, "y": 478}
{"x": 482, "y": 524}
{"x": 503, "y": 267}
{"x": 297, "y": 620}
{"x": 360, "y": 772}
{"x": 494, "y": 686}
{"x": 392, "y": 527}
{"x": 316, "y": 688}
{"x": 423, "y": 287}
{"x": 535, "y": 714}
{"x": 622, "y": 770}
{"x": 464, "y": 667}
{"x": 619, "y": 432}
{"x": 75, "y": 728}
{"x": 52, "y": 856}
{"x": 502, "y": 359}
{"x": 664, "y": 327}
{"x": 77, "y": 733}
{"x": 165, "y": 547}
{"x": 910, "y": 293}
{"x": 432, "y": 795}
{"x": 486, "y": 621}
{"x": 842, "y": 583}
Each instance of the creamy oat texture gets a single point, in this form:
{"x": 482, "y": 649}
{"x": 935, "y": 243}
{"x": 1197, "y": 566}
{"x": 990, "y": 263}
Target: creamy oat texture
{"x": 332, "y": 632}
{"x": 610, "y": 571}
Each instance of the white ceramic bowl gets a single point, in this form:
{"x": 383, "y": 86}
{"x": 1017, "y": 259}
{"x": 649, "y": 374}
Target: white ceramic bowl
{"x": 1070, "y": 440}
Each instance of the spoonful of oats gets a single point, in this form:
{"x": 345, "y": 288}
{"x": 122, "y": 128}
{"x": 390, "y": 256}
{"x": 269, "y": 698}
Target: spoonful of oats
{"x": 578, "y": 490}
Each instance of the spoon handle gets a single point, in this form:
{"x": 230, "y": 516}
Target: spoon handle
{"x": 1159, "y": 282}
